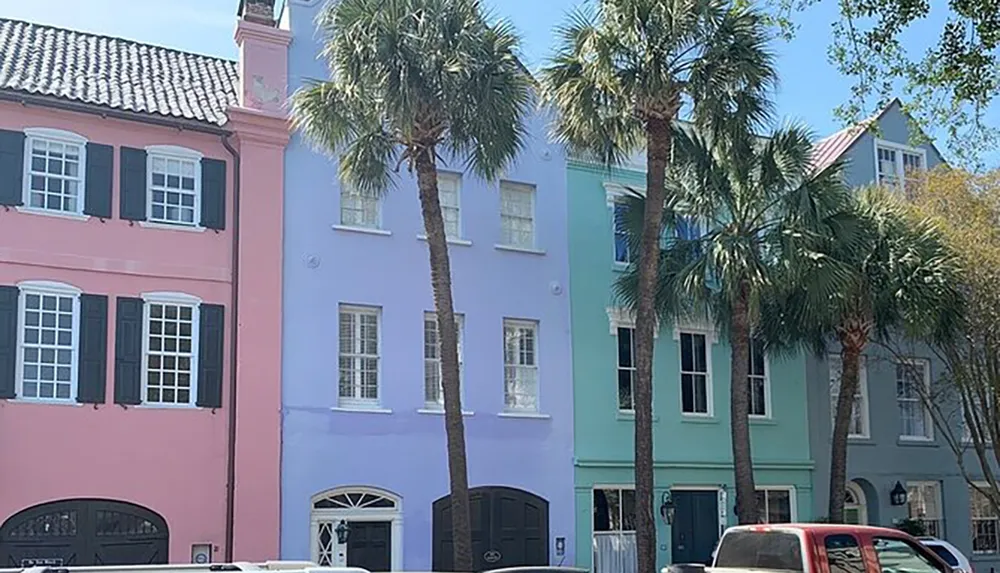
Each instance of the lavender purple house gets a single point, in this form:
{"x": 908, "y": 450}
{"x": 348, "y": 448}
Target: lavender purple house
{"x": 363, "y": 443}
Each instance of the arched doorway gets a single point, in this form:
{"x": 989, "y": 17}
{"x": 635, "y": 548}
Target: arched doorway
{"x": 375, "y": 519}
{"x": 855, "y": 505}
{"x": 510, "y": 528}
{"x": 84, "y": 532}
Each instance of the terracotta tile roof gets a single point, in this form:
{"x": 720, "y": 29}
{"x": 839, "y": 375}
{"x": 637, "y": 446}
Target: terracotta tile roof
{"x": 114, "y": 72}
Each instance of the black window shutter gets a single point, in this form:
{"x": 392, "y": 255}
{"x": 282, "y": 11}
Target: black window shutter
{"x": 128, "y": 351}
{"x": 92, "y": 370}
{"x": 210, "y": 355}
{"x": 100, "y": 176}
{"x": 133, "y": 184}
{"x": 213, "y": 194}
{"x": 8, "y": 340}
{"x": 11, "y": 167}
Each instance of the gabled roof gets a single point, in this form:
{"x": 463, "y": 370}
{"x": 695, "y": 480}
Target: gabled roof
{"x": 832, "y": 147}
{"x": 115, "y": 73}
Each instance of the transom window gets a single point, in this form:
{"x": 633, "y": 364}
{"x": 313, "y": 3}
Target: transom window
{"x": 517, "y": 215}
{"x": 173, "y": 189}
{"x": 520, "y": 365}
{"x": 912, "y": 380}
{"x": 859, "y": 414}
{"x": 54, "y": 178}
{"x": 775, "y": 505}
{"x": 623, "y": 252}
{"x": 694, "y": 373}
{"x": 354, "y": 500}
{"x": 899, "y": 166}
{"x": 359, "y": 357}
{"x": 171, "y": 346}
{"x": 855, "y": 505}
{"x": 449, "y": 194}
{"x": 359, "y": 209}
{"x": 985, "y": 529}
{"x": 924, "y": 503}
{"x": 49, "y": 325}
{"x": 433, "y": 395}
{"x": 758, "y": 381}
{"x": 626, "y": 368}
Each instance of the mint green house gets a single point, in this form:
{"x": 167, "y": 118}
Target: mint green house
{"x": 693, "y": 460}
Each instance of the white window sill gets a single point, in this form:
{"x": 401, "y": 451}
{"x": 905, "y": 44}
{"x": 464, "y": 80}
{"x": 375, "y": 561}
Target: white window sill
{"x": 46, "y": 401}
{"x": 528, "y": 415}
{"x": 619, "y": 267}
{"x": 361, "y": 410}
{"x": 51, "y": 213}
{"x": 440, "y": 412}
{"x": 170, "y": 227}
{"x": 694, "y": 418}
{"x": 519, "y": 249}
{"x": 363, "y": 230}
{"x": 154, "y": 406}
{"x": 763, "y": 420}
{"x": 629, "y": 416}
{"x": 450, "y": 240}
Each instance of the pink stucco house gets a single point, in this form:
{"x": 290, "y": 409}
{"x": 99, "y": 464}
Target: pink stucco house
{"x": 140, "y": 297}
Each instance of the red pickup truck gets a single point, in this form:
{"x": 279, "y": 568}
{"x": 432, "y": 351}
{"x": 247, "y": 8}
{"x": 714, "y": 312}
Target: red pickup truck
{"x": 823, "y": 548}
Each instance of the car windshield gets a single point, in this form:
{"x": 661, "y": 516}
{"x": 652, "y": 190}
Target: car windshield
{"x": 943, "y": 553}
{"x": 760, "y": 550}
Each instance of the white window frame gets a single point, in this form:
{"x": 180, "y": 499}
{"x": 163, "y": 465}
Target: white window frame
{"x": 767, "y": 387}
{"x": 928, "y": 421}
{"x": 347, "y": 190}
{"x": 531, "y": 190}
{"x": 792, "y": 502}
{"x": 176, "y": 298}
{"x": 619, "y": 317}
{"x": 457, "y": 178}
{"x": 973, "y": 520}
{"x": 534, "y": 326}
{"x": 394, "y": 515}
{"x": 50, "y": 288}
{"x": 438, "y": 406}
{"x": 354, "y": 403}
{"x": 936, "y": 487}
{"x": 49, "y": 134}
{"x": 606, "y": 486}
{"x": 709, "y": 391}
{"x": 862, "y": 389}
{"x": 177, "y": 153}
{"x": 900, "y": 149}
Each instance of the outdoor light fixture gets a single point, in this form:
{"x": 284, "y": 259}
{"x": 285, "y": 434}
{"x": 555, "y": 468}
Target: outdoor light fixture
{"x": 343, "y": 531}
{"x": 898, "y": 495}
{"x": 667, "y": 508}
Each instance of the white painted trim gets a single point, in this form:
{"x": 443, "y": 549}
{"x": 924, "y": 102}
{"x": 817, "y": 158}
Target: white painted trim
{"x": 50, "y": 288}
{"x": 709, "y": 382}
{"x": 535, "y": 326}
{"x": 51, "y": 213}
{"x": 443, "y": 174}
{"x": 460, "y": 320}
{"x": 534, "y": 214}
{"x": 440, "y": 412}
{"x": 450, "y": 241}
{"x": 768, "y": 414}
{"x": 615, "y": 191}
{"x": 379, "y": 202}
{"x": 177, "y": 298}
{"x": 61, "y": 136}
{"x": 705, "y": 327}
{"x": 393, "y": 515}
{"x": 928, "y": 421}
{"x": 792, "y": 501}
{"x": 862, "y": 505}
{"x": 175, "y": 151}
{"x": 862, "y": 386}
{"x": 500, "y": 247}
{"x": 365, "y": 230}
{"x": 900, "y": 148}
{"x": 56, "y": 134}
{"x": 620, "y": 317}
{"x": 361, "y": 404}
{"x": 597, "y": 486}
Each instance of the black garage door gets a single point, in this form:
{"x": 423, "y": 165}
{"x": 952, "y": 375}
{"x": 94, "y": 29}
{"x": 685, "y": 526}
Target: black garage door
{"x": 510, "y": 527}
{"x": 83, "y": 532}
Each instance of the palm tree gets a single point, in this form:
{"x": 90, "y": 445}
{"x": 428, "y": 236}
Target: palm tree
{"x": 618, "y": 79}
{"x": 412, "y": 81}
{"x": 902, "y": 282}
{"x": 739, "y": 210}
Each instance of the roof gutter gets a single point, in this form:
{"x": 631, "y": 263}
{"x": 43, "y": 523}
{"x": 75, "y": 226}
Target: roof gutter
{"x": 200, "y": 127}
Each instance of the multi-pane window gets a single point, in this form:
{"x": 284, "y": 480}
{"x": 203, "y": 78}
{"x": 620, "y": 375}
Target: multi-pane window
{"x": 449, "y": 195}
{"x": 899, "y": 167}
{"x": 49, "y": 342}
{"x": 517, "y": 215}
{"x": 984, "y": 522}
{"x": 54, "y": 175}
{"x": 173, "y": 190}
{"x": 359, "y": 357}
{"x": 433, "y": 395}
{"x": 626, "y": 368}
{"x": 758, "y": 380}
{"x": 912, "y": 380}
{"x": 623, "y": 252}
{"x": 694, "y": 373}
{"x": 888, "y": 172}
{"x": 171, "y": 330}
{"x": 858, "y": 427}
{"x": 924, "y": 501}
{"x": 359, "y": 208}
{"x": 614, "y": 509}
{"x": 775, "y": 505}
{"x": 520, "y": 365}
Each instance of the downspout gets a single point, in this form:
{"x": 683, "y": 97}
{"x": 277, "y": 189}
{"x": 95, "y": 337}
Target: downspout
{"x": 234, "y": 336}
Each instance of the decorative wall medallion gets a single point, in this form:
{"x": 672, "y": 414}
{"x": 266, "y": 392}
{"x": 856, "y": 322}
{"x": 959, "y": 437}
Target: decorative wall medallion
{"x": 312, "y": 261}
{"x": 492, "y": 556}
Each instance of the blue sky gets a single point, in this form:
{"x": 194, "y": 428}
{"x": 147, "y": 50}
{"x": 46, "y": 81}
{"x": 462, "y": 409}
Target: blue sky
{"x": 810, "y": 87}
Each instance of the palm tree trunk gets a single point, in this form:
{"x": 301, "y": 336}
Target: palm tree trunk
{"x": 850, "y": 356}
{"x": 739, "y": 396}
{"x": 657, "y": 153}
{"x": 453, "y": 424}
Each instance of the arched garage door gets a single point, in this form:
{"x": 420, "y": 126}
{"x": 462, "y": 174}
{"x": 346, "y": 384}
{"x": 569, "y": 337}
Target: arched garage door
{"x": 83, "y": 532}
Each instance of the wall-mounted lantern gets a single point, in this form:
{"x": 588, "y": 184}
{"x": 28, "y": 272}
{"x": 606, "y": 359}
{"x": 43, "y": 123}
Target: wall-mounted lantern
{"x": 898, "y": 495}
{"x": 343, "y": 531}
{"x": 667, "y": 508}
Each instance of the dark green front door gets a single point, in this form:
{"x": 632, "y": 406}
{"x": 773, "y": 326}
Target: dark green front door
{"x": 695, "y": 528}
{"x": 369, "y": 545}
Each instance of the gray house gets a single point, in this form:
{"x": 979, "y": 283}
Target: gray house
{"x": 893, "y": 439}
